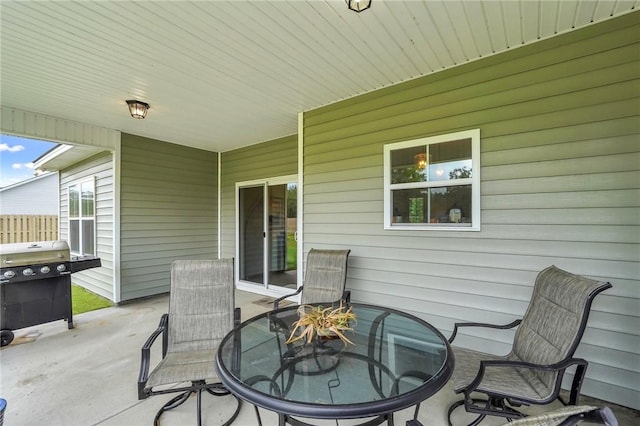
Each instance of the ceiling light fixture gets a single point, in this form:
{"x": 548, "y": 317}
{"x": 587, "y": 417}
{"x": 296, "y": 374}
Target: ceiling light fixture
{"x": 138, "y": 109}
{"x": 358, "y": 5}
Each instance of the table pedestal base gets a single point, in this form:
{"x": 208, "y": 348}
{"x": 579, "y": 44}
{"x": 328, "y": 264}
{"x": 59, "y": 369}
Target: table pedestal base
{"x": 284, "y": 419}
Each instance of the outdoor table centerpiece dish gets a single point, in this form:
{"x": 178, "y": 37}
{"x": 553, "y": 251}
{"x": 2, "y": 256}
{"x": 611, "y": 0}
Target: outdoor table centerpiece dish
{"x": 323, "y": 322}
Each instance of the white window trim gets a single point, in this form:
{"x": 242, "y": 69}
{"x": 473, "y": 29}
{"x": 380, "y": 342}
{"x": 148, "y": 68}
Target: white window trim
{"x": 81, "y": 218}
{"x": 474, "y": 135}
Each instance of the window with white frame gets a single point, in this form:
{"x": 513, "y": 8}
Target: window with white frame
{"x": 433, "y": 183}
{"x": 82, "y": 227}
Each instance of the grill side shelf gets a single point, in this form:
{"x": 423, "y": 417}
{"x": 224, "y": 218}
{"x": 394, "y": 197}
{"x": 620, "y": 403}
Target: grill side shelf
{"x": 83, "y": 263}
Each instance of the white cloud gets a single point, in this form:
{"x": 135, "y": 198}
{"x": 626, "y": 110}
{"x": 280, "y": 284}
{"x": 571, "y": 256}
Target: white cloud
{"x": 22, "y": 166}
{"x": 14, "y": 148}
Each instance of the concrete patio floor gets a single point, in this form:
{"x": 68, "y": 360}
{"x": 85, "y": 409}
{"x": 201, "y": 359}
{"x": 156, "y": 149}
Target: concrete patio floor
{"x": 88, "y": 376}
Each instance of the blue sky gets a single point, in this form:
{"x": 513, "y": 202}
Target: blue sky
{"x": 17, "y": 156}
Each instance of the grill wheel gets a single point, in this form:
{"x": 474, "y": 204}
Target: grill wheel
{"x": 6, "y": 337}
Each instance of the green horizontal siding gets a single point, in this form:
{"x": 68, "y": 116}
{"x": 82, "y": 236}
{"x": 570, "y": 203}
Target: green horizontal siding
{"x": 560, "y": 157}
{"x": 262, "y": 161}
{"x": 168, "y": 211}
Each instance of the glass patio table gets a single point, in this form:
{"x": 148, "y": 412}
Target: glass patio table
{"x": 396, "y": 361}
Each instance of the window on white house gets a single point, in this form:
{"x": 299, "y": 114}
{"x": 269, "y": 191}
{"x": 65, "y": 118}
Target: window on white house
{"x": 82, "y": 228}
{"x": 433, "y": 183}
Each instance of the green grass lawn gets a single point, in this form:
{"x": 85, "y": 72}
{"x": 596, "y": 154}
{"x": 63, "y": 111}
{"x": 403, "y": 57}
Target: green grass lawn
{"x": 84, "y": 301}
{"x": 292, "y": 251}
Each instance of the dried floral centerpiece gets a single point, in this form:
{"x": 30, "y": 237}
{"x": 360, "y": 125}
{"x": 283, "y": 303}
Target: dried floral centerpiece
{"x": 322, "y": 321}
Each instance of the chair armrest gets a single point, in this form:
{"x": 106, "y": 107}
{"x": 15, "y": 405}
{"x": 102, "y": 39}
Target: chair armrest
{"x": 276, "y": 303}
{"x": 145, "y": 360}
{"x": 557, "y": 367}
{"x": 481, "y": 324}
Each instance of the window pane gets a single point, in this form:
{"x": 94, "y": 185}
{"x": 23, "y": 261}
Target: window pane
{"x": 451, "y": 204}
{"x": 450, "y": 160}
{"x": 87, "y": 199}
{"x": 74, "y": 201}
{"x": 450, "y": 170}
{"x": 407, "y": 204}
{"x": 408, "y": 165}
{"x": 432, "y": 205}
{"x": 433, "y": 162}
{"x": 74, "y": 235}
{"x": 88, "y": 232}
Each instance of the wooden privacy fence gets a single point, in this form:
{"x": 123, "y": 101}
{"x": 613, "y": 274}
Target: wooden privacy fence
{"x": 26, "y": 228}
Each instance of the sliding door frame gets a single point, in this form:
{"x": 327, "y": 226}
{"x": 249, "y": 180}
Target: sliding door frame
{"x": 264, "y": 288}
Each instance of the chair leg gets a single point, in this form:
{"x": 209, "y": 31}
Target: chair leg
{"x": 415, "y": 421}
{"x": 182, "y": 398}
{"x": 235, "y": 413}
{"x": 493, "y": 406}
{"x": 258, "y": 415}
{"x": 171, "y": 404}
{"x": 218, "y": 390}
{"x": 458, "y": 404}
{"x": 199, "y": 405}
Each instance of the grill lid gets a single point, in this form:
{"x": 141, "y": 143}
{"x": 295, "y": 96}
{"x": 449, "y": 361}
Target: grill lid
{"x": 21, "y": 254}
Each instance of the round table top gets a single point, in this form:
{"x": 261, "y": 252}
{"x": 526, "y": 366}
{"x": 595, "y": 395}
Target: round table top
{"x": 396, "y": 360}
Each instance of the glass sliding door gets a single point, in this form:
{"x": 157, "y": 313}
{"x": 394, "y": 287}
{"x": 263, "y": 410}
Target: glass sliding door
{"x": 282, "y": 245}
{"x": 267, "y": 224}
{"x": 251, "y": 232}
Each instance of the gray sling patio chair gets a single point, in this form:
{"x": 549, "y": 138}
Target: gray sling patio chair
{"x": 543, "y": 349}
{"x": 201, "y": 312}
{"x": 324, "y": 282}
{"x": 325, "y": 278}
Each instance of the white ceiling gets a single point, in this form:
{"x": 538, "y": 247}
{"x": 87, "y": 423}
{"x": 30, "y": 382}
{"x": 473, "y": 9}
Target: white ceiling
{"x": 224, "y": 74}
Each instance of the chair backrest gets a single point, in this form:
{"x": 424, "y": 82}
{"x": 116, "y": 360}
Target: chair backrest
{"x": 201, "y": 304}
{"x": 326, "y": 276}
{"x": 555, "y": 320}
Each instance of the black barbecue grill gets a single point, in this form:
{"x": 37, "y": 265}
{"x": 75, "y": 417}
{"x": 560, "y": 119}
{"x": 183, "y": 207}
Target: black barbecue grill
{"x": 35, "y": 284}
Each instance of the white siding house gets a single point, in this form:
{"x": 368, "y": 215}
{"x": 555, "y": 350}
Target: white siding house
{"x": 99, "y": 171}
{"x": 35, "y": 196}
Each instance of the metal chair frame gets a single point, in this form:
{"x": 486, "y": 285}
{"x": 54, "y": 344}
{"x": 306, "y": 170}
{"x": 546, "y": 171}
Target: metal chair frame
{"x": 346, "y": 295}
{"x": 196, "y": 386}
{"x": 502, "y": 404}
